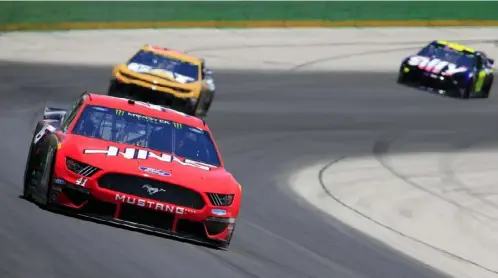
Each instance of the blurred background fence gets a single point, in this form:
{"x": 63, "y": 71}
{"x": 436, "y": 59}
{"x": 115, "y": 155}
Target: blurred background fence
{"x": 45, "y": 15}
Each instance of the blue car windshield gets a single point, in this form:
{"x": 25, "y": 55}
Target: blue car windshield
{"x": 147, "y": 132}
{"x": 452, "y": 56}
{"x": 152, "y": 63}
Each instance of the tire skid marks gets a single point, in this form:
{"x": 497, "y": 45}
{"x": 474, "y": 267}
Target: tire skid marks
{"x": 380, "y": 152}
{"x": 447, "y": 173}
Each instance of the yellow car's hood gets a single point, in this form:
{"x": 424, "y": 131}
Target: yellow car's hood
{"x": 157, "y": 77}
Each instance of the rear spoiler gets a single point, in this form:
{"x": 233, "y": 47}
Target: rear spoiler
{"x": 51, "y": 113}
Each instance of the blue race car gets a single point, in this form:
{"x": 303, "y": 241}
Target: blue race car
{"x": 450, "y": 69}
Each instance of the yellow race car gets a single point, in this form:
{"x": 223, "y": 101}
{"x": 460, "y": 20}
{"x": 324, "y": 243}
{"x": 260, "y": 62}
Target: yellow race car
{"x": 165, "y": 77}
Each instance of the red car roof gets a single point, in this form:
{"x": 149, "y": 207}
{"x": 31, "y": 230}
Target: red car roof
{"x": 146, "y": 109}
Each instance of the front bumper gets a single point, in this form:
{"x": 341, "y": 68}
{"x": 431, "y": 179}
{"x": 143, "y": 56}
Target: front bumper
{"x": 149, "y": 94}
{"x": 98, "y": 204}
{"x": 174, "y": 91}
{"x": 432, "y": 82}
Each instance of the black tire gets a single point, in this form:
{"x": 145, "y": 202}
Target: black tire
{"x": 196, "y": 109}
{"x": 26, "y": 190}
{"x": 199, "y": 106}
{"x": 401, "y": 78}
{"x": 487, "y": 88}
{"x": 464, "y": 93}
{"x": 209, "y": 102}
{"x": 46, "y": 177}
{"x": 202, "y": 106}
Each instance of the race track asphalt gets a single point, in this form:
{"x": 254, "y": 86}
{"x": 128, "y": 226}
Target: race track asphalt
{"x": 266, "y": 124}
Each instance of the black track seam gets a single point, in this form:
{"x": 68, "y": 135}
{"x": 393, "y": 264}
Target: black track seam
{"x": 324, "y": 187}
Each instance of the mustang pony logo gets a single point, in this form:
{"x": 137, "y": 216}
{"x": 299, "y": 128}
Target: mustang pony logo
{"x": 152, "y": 190}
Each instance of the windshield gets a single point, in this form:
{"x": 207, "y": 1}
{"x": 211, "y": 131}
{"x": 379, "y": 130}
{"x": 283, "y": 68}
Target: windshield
{"x": 152, "y": 63}
{"x": 139, "y": 130}
{"x": 448, "y": 55}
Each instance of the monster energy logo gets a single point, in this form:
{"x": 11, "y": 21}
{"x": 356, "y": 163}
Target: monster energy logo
{"x": 177, "y": 125}
{"x": 119, "y": 112}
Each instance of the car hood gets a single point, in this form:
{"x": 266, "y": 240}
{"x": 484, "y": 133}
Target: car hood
{"x": 113, "y": 157}
{"x": 158, "y": 78}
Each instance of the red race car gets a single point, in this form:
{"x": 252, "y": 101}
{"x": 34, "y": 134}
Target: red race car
{"x": 133, "y": 164}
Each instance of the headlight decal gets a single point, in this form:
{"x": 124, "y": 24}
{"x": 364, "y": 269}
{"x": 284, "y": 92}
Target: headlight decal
{"x": 80, "y": 168}
{"x": 221, "y": 200}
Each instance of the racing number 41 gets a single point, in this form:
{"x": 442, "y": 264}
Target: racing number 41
{"x": 81, "y": 182}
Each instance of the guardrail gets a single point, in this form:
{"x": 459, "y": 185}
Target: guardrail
{"x": 58, "y": 15}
